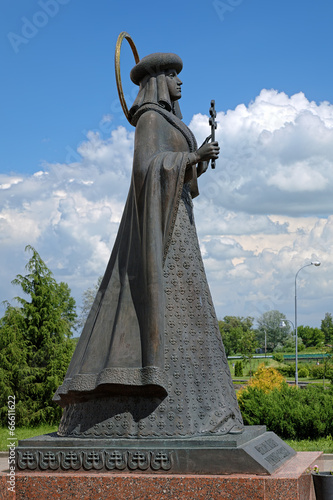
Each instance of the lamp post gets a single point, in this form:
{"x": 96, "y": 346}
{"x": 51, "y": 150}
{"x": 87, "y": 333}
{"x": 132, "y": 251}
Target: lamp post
{"x": 314, "y": 263}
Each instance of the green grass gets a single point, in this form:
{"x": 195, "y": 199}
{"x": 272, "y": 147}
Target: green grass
{"x": 324, "y": 444}
{"x": 270, "y": 362}
{"x": 254, "y": 364}
{"x": 23, "y": 433}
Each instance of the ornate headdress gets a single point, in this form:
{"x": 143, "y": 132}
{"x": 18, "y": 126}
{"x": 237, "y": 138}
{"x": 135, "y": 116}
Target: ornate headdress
{"x": 149, "y": 73}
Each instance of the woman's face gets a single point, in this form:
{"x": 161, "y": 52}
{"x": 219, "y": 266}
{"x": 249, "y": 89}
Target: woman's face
{"x": 173, "y": 83}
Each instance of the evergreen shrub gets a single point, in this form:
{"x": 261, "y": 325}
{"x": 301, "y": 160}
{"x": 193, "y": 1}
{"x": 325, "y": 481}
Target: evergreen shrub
{"x": 318, "y": 371}
{"x": 278, "y": 356}
{"x": 287, "y": 370}
{"x": 238, "y": 369}
{"x": 290, "y": 412}
{"x": 266, "y": 379}
{"x": 303, "y": 372}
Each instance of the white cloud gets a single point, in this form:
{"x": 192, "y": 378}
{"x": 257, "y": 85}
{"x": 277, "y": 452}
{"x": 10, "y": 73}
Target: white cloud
{"x": 262, "y": 214}
{"x": 302, "y": 178}
{"x": 272, "y": 152}
{"x": 6, "y": 182}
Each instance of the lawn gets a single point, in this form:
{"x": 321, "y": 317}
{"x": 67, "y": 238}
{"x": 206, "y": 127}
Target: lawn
{"x": 270, "y": 362}
{"x": 324, "y": 444}
{"x": 23, "y": 433}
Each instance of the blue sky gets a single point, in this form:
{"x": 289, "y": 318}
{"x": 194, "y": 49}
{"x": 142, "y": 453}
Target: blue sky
{"x": 61, "y": 117}
{"x": 61, "y": 81}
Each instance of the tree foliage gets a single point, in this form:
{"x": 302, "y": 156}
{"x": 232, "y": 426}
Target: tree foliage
{"x": 36, "y": 344}
{"x": 235, "y": 331}
{"x": 289, "y": 344}
{"x": 289, "y": 412}
{"x": 13, "y": 362}
{"x": 238, "y": 369}
{"x": 323, "y": 370}
{"x": 269, "y": 323}
{"x": 312, "y": 337}
{"x": 327, "y": 328}
{"x": 247, "y": 346}
{"x": 266, "y": 379}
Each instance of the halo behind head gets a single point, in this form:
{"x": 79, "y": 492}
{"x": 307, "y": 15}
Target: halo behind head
{"x": 155, "y": 63}
{"x": 123, "y": 35}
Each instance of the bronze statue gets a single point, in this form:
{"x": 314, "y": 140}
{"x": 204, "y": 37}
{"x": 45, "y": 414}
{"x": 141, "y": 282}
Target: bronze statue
{"x": 150, "y": 361}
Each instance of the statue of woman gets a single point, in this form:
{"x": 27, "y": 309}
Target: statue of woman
{"x": 150, "y": 361}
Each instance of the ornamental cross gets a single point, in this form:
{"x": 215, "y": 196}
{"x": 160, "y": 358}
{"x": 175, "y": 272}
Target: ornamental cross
{"x": 213, "y": 124}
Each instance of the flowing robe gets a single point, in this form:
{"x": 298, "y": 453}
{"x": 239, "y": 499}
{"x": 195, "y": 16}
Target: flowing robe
{"x": 150, "y": 361}
{"x": 121, "y": 348}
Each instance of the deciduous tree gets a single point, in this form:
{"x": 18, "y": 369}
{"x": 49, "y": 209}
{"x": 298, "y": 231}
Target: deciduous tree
{"x": 232, "y": 329}
{"x": 269, "y": 323}
{"x": 327, "y": 328}
{"x": 311, "y": 337}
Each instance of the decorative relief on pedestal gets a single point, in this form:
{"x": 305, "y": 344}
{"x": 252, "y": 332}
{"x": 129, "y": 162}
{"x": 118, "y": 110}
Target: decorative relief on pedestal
{"x": 94, "y": 460}
{"x": 266, "y": 446}
{"x": 27, "y": 460}
{"x": 160, "y": 460}
{"x": 138, "y": 460}
{"x": 277, "y": 456}
{"x": 49, "y": 460}
{"x": 272, "y": 457}
{"x": 71, "y": 460}
{"x": 115, "y": 460}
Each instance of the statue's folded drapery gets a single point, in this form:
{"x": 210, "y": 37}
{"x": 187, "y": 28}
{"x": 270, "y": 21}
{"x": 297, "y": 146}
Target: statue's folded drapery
{"x": 121, "y": 348}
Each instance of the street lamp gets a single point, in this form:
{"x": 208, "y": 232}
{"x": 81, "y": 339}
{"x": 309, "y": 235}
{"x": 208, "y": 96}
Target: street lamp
{"x": 314, "y": 263}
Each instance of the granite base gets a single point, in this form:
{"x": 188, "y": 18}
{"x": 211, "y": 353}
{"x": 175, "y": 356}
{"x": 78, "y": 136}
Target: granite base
{"x": 290, "y": 482}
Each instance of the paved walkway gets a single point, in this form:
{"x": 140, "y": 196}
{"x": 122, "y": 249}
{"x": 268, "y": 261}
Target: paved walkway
{"x": 3, "y": 461}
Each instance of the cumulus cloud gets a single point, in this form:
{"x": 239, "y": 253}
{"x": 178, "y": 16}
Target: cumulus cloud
{"x": 263, "y": 212}
{"x": 277, "y": 155}
{"x": 69, "y": 212}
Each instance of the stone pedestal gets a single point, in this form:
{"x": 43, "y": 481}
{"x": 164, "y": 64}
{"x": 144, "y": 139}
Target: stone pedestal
{"x": 255, "y": 464}
{"x": 255, "y": 451}
{"x": 290, "y": 482}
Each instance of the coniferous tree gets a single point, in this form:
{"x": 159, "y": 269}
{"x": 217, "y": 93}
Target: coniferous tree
{"x": 247, "y": 346}
{"x": 36, "y": 338}
{"x": 13, "y": 362}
